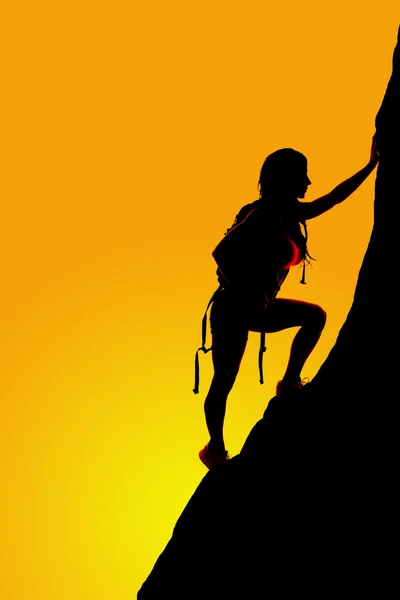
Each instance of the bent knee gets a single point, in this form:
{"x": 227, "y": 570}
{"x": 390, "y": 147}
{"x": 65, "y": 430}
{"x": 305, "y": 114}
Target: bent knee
{"x": 319, "y": 316}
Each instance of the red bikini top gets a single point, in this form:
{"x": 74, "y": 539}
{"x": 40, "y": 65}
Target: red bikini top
{"x": 292, "y": 253}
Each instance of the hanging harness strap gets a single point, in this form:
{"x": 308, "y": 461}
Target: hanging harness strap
{"x": 203, "y": 344}
{"x": 261, "y": 351}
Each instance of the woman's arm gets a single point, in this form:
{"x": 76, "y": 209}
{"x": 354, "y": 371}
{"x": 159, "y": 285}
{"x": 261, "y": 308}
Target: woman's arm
{"x": 310, "y": 210}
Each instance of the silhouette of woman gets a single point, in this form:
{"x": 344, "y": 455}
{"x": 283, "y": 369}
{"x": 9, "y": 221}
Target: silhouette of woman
{"x": 267, "y": 237}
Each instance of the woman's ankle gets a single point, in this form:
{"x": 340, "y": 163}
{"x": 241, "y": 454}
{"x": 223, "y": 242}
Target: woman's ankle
{"x": 216, "y": 448}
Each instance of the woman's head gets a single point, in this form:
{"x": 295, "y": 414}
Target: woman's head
{"x": 284, "y": 173}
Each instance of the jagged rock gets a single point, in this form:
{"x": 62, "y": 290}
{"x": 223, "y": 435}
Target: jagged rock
{"x": 309, "y": 506}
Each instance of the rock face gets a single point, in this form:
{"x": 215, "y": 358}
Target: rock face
{"x": 309, "y": 506}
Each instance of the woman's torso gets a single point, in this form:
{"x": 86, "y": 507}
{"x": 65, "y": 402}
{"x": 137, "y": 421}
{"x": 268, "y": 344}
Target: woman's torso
{"x": 263, "y": 249}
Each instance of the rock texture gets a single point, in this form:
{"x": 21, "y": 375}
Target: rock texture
{"x": 309, "y": 506}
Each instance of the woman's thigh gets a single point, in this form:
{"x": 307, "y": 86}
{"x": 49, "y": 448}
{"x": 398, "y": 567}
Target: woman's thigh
{"x": 283, "y": 313}
{"x": 227, "y": 354}
{"x": 229, "y": 320}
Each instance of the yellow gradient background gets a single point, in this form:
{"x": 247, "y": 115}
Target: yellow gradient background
{"x": 131, "y": 134}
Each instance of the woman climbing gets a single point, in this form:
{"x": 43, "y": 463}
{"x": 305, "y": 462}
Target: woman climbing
{"x": 267, "y": 237}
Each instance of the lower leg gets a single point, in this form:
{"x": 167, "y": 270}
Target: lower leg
{"x": 303, "y": 344}
{"x": 214, "y": 409}
{"x": 227, "y": 356}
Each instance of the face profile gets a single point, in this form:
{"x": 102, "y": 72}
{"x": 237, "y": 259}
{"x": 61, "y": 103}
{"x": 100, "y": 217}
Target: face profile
{"x": 303, "y": 186}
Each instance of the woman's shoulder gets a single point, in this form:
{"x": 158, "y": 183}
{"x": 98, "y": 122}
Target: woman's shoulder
{"x": 243, "y": 214}
{"x": 259, "y": 211}
{"x": 262, "y": 225}
{"x": 247, "y": 209}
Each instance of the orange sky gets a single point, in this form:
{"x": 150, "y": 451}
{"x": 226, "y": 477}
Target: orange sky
{"x": 131, "y": 135}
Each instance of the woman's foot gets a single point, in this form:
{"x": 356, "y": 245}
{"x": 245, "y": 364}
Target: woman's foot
{"x": 211, "y": 459}
{"x": 286, "y": 387}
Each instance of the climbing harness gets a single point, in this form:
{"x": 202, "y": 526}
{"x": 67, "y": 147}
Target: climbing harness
{"x": 203, "y": 348}
{"x": 203, "y": 343}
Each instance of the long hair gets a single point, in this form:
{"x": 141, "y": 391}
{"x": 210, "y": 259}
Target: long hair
{"x": 276, "y": 175}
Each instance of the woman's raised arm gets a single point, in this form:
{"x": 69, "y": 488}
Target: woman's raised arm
{"x": 310, "y": 210}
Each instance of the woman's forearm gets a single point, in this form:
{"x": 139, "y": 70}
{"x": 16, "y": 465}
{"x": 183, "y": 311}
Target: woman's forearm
{"x": 310, "y": 210}
{"x": 350, "y": 185}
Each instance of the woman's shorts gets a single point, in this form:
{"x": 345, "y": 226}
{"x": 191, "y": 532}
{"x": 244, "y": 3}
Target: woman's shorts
{"x": 230, "y": 315}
